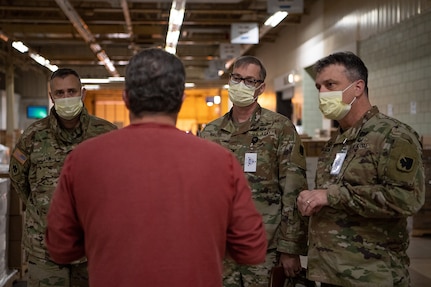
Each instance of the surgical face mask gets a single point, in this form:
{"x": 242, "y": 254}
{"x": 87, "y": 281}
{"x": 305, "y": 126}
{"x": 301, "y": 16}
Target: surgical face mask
{"x": 68, "y": 108}
{"x": 241, "y": 95}
{"x": 332, "y": 106}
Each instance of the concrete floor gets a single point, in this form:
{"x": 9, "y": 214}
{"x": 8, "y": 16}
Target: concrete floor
{"x": 420, "y": 262}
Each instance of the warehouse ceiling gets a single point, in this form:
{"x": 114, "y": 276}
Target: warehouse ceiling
{"x": 66, "y": 33}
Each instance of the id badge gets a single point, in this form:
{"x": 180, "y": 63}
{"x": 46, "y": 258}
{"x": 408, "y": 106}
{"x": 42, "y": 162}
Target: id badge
{"x": 338, "y": 163}
{"x": 250, "y": 162}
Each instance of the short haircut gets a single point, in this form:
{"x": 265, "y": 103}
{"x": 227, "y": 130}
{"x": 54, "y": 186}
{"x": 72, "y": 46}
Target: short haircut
{"x": 355, "y": 67}
{"x": 246, "y": 60}
{"x": 63, "y": 72}
{"x": 155, "y": 82}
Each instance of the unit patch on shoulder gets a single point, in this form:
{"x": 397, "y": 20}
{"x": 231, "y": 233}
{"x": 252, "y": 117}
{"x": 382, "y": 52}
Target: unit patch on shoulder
{"x": 405, "y": 163}
{"x": 19, "y": 156}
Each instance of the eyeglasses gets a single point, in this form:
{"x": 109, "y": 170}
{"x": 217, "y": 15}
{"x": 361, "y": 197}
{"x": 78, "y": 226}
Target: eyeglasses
{"x": 249, "y": 82}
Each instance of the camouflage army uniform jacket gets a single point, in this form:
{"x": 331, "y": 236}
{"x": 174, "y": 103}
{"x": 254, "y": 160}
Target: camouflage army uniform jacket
{"x": 35, "y": 167}
{"x": 361, "y": 238}
{"x": 280, "y": 172}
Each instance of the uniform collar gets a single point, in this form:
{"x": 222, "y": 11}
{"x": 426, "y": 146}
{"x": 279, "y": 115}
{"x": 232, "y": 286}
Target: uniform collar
{"x": 230, "y": 126}
{"x": 353, "y": 132}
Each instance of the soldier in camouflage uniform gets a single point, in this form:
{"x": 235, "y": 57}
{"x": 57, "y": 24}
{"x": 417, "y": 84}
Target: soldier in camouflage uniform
{"x": 271, "y": 152}
{"x": 35, "y": 166}
{"x": 370, "y": 178}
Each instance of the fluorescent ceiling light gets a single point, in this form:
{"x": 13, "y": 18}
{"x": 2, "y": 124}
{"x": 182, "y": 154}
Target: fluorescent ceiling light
{"x": 116, "y": 79}
{"x": 176, "y": 18}
{"x": 190, "y": 85}
{"x": 92, "y": 87}
{"x": 217, "y": 100}
{"x": 20, "y": 46}
{"x": 118, "y": 36}
{"x": 36, "y": 57}
{"x": 94, "y": 81}
{"x": 102, "y": 80}
{"x": 276, "y": 18}
{"x": 42, "y": 61}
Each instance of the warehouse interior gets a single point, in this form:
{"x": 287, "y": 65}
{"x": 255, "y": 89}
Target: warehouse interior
{"x": 98, "y": 37}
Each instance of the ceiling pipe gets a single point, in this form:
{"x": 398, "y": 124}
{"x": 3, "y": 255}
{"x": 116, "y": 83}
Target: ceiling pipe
{"x": 129, "y": 26}
{"x": 126, "y": 13}
{"x": 86, "y": 34}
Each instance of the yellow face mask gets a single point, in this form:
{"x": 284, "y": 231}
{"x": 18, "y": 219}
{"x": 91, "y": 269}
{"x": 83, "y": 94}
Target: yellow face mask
{"x": 68, "y": 108}
{"x": 241, "y": 95}
{"x": 332, "y": 106}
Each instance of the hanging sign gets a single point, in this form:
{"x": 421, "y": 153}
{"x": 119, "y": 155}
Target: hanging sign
{"x": 244, "y": 33}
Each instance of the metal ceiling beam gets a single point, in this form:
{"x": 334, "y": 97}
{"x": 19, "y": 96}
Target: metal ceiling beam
{"x": 86, "y": 34}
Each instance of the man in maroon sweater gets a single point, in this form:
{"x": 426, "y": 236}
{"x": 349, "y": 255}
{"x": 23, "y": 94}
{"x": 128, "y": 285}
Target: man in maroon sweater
{"x": 150, "y": 205}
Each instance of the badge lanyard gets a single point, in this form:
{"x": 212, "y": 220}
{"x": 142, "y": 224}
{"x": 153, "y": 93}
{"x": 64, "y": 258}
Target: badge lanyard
{"x": 250, "y": 158}
{"x": 339, "y": 159}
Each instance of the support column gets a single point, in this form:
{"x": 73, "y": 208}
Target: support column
{"x": 10, "y": 106}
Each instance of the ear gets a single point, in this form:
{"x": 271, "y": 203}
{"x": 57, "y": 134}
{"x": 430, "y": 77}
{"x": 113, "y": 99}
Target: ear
{"x": 83, "y": 94}
{"x": 261, "y": 89}
{"x": 359, "y": 88}
{"x": 126, "y": 99}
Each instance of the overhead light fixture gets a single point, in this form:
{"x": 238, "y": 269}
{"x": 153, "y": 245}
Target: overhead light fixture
{"x": 116, "y": 79}
{"x": 217, "y": 100}
{"x": 42, "y": 61}
{"x": 20, "y": 46}
{"x": 213, "y": 100}
{"x": 92, "y": 87}
{"x": 276, "y": 18}
{"x": 94, "y": 81}
{"x": 176, "y": 18}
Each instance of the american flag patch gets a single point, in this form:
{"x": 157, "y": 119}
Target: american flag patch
{"x": 19, "y": 156}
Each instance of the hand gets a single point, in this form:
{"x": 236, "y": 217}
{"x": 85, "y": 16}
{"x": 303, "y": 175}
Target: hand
{"x": 291, "y": 264}
{"x": 311, "y": 201}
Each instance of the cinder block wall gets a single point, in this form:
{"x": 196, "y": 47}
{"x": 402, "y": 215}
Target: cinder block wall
{"x": 399, "y": 63}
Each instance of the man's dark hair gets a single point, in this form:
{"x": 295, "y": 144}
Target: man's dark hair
{"x": 63, "y": 72}
{"x": 355, "y": 67}
{"x": 155, "y": 82}
{"x": 246, "y": 60}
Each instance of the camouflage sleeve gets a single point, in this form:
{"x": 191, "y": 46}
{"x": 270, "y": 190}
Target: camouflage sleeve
{"x": 399, "y": 188}
{"x": 204, "y": 133}
{"x": 293, "y": 234}
{"x": 19, "y": 168}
